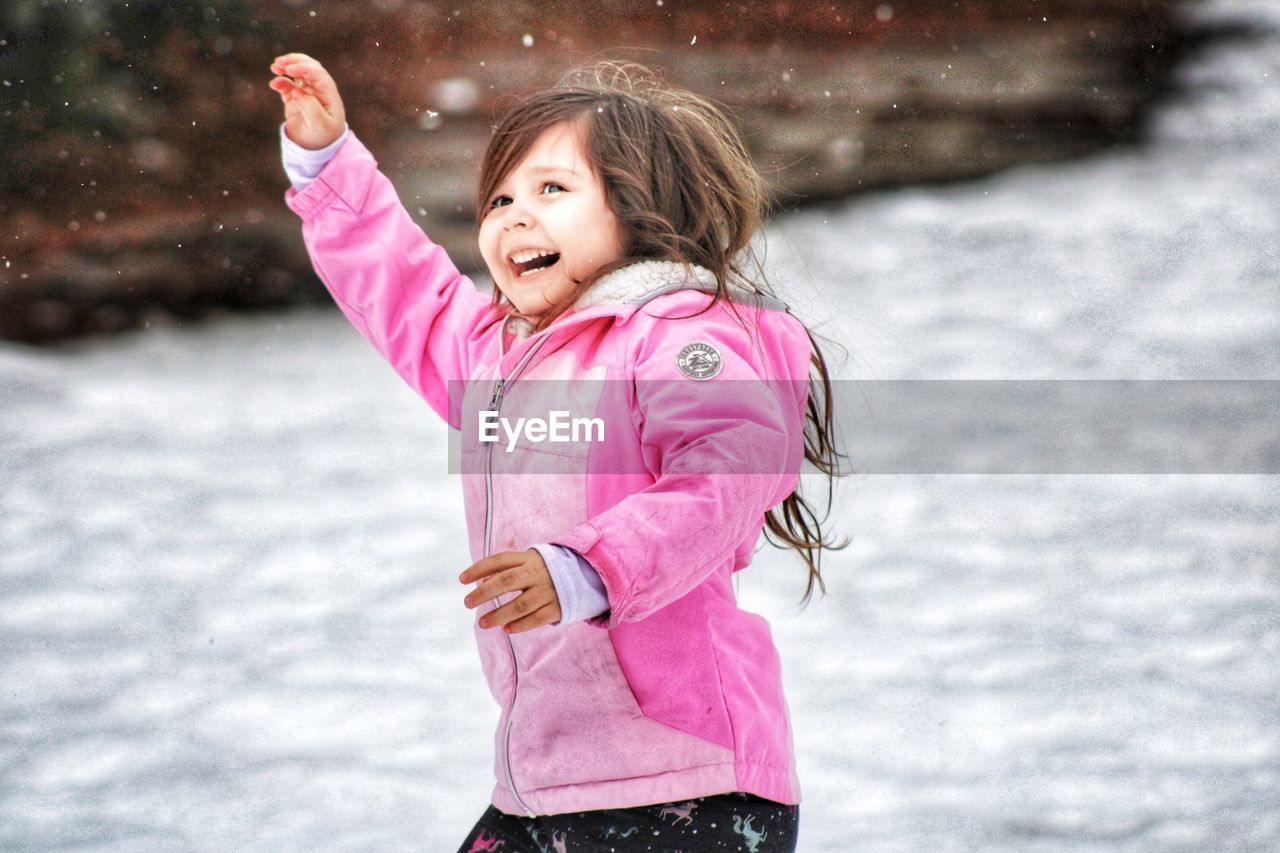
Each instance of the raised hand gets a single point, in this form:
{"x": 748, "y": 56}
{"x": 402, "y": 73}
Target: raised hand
{"x": 313, "y": 112}
{"x": 537, "y": 604}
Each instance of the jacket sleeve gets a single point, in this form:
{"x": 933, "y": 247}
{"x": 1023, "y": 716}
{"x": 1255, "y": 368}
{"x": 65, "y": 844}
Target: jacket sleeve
{"x": 400, "y": 290}
{"x": 724, "y": 451}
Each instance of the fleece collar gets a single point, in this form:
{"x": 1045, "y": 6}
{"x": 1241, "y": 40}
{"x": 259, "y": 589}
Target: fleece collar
{"x": 635, "y": 283}
{"x": 632, "y": 285}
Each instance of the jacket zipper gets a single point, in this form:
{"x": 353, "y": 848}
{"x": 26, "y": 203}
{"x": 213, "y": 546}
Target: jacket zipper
{"x": 495, "y": 404}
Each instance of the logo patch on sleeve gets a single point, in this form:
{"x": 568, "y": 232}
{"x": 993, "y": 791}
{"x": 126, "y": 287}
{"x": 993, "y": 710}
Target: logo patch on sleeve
{"x": 699, "y": 361}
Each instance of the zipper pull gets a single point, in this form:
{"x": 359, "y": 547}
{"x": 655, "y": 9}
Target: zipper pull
{"x": 497, "y": 393}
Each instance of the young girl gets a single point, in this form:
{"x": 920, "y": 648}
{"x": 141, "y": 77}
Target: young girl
{"x": 640, "y": 707}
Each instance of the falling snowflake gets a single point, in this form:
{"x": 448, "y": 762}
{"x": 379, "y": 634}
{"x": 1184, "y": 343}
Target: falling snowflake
{"x": 429, "y": 120}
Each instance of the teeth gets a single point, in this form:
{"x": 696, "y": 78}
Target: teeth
{"x": 525, "y": 255}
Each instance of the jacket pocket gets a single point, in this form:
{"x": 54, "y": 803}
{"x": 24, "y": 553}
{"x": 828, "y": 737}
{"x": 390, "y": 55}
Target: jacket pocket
{"x": 669, "y": 661}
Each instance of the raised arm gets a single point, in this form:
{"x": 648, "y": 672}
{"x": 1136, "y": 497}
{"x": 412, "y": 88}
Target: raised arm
{"x": 399, "y": 289}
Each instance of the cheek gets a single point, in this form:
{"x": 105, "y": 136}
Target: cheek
{"x": 602, "y": 233}
{"x": 488, "y": 247}
{"x": 614, "y": 239}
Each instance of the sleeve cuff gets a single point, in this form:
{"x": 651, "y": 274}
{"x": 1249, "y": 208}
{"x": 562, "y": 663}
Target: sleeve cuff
{"x": 578, "y": 586}
{"x": 302, "y": 165}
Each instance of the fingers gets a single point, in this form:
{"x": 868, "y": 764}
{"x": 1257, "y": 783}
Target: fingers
{"x": 511, "y": 580}
{"x": 297, "y": 98}
{"x": 543, "y": 616}
{"x": 288, "y": 89}
{"x": 306, "y": 72}
{"x": 514, "y": 571}
{"x": 493, "y": 564}
{"x": 280, "y": 62}
{"x": 531, "y": 609}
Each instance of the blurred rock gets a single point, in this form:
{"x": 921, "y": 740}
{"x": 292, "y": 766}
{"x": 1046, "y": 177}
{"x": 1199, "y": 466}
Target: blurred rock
{"x": 167, "y": 193}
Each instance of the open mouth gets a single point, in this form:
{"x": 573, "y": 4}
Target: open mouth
{"x": 531, "y": 261}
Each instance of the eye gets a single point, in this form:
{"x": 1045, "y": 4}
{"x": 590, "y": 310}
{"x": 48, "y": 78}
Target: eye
{"x": 500, "y": 201}
{"x": 547, "y": 187}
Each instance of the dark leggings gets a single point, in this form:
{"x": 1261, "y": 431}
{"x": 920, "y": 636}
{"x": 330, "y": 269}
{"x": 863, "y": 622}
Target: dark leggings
{"x": 742, "y": 822}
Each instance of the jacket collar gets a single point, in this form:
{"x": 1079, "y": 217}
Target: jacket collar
{"x": 637, "y": 283}
{"x": 631, "y": 286}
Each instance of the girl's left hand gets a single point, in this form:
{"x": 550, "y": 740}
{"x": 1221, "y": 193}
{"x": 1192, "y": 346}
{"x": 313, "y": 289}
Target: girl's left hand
{"x": 537, "y": 604}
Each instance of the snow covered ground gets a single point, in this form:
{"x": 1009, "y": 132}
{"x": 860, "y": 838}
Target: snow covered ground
{"x": 229, "y": 619}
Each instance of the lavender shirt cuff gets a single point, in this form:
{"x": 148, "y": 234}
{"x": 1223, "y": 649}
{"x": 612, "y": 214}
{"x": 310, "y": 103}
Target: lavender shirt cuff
{"x": 578, "y": 586}
{"x": 302, "y": 165}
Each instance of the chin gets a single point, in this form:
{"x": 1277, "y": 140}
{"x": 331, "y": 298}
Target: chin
{"x": 524, "y": 307}
{"x": 532, "y": 315}
{"x": 530, "y": 304}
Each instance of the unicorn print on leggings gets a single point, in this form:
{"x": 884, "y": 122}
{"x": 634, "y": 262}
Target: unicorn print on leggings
{"x": 752, "y": 837}
{"x": 486, "y": 843}
{"x": 681, "y": 812}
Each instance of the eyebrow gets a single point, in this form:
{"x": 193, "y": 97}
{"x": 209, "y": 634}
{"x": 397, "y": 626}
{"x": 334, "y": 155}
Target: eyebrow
{"x": 545, "y": 170}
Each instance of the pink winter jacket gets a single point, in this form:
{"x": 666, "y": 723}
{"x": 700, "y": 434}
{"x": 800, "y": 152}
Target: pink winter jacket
{"x": 676, "y": 692}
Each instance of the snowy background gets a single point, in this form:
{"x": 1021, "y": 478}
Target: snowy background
{"x": 229, "y": 619}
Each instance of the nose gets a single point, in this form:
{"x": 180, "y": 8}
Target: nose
{"x": 517, "y": 216}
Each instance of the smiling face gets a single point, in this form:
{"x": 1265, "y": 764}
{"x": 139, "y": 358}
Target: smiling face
{"x": 548, "y": 225}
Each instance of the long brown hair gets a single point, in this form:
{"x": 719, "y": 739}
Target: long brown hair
{"x": 681, "y": 182}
